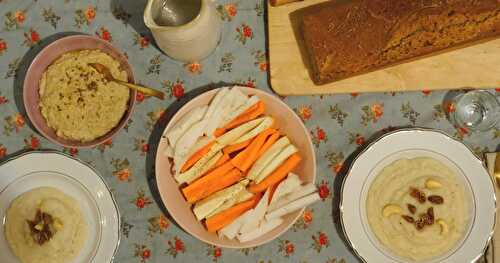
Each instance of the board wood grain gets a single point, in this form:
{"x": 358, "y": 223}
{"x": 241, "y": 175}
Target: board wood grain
{"x": 476, "y": 66}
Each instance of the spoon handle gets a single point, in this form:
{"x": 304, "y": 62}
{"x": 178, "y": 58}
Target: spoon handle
{"x": 146, "y": 91}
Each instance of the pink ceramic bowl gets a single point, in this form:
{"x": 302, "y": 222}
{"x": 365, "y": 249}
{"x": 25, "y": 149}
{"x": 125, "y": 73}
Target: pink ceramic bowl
{"x": 44, "y": 59}
{"x": 287, "y": 122}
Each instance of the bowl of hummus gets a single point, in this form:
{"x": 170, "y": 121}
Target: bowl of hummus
{"x": 418, "y": 195}
{"x": 68, "y": 101}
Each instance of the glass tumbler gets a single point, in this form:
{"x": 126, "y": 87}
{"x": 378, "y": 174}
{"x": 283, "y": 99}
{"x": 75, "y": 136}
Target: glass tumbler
{"x": 476, "y": 110}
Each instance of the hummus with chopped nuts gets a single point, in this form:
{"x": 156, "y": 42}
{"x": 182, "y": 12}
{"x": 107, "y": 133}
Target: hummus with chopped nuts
{"x": 418, "y": 209}
{"x": 63, "y": 228}
{"x": 76, "y": 101}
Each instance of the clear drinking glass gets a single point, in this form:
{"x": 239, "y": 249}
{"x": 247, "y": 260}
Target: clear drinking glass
{"x": 476, "y": 110}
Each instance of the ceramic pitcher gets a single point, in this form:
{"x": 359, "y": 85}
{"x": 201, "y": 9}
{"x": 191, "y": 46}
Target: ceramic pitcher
{"x": 190, "y": 41}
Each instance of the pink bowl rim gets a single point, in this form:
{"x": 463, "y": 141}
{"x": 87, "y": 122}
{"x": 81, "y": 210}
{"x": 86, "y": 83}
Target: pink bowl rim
{"x": 246, "y": 90}
{"x": 126, "y": 116}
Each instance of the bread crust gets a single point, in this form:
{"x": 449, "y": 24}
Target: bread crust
{"x": 347, "y": 39}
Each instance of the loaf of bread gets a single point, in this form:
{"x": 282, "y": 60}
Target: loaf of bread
{"x": 360, "y": 36}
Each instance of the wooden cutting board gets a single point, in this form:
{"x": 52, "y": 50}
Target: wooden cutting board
{"x": 475, "y": 66}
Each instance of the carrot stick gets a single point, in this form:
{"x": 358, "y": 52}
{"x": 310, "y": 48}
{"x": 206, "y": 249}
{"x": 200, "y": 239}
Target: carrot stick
{"x": 241, "y": 156}
{"x": 277, "y": 175}
{"x": 251, "y": 113}
{"x": 219, "y": 131}
{"x": 227, "y": 216}
{"x": 272, "y": 139}
{"x": 253, "y": 153}
{"x": 222, "y": 160}
{"x": 250, "y": 109}
{"x": 247, "y": 111}
{"x": 236, "y": 147}
{"x": 198, "y": 186}
{"x": 215, "y": 185}
{"x": 196, "y": 156}
{"x": 247, "y": 157}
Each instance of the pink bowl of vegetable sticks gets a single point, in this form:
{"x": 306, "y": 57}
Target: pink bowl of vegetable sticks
{"x": 286, "y": 122}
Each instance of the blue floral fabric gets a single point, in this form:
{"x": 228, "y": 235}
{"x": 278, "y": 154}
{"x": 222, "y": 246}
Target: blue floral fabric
{"x": 339, "y": 125}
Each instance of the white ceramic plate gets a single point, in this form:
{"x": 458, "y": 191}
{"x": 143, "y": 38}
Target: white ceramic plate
{"x": 410, "y": 143}
{"x": 76, "y": 179}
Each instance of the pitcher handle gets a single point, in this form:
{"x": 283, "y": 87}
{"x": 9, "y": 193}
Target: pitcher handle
{"x": 147, "y": 17}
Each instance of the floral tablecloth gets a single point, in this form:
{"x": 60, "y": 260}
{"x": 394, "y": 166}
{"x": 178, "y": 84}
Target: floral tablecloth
{"x": 339, "y": 125}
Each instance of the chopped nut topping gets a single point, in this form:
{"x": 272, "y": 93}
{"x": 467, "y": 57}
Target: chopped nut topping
{"x": 443, "y": 225}
{"x": 411, "y": 208}
{"x": 426, "y": 219}
{"x": 390, "y": 210}
{"x": 432, "y": 184}
{"x": 417, "y": 194}
{"x": 430, "y": 214}
{"x": 408, "y": 219}
{"x": 419, "y": 224}
{"x": 435, "y": 199}
{"x": 41, "y": 227}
